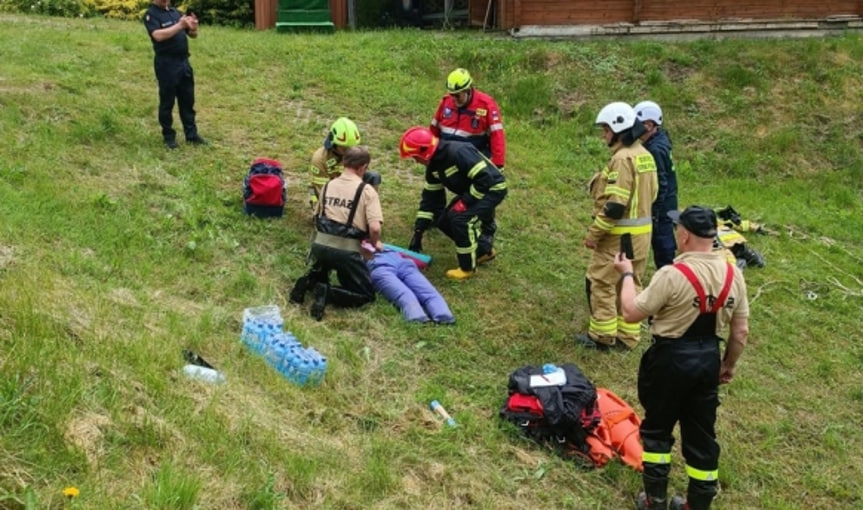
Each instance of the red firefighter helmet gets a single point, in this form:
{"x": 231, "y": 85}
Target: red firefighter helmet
{"x": 418, "y": 142}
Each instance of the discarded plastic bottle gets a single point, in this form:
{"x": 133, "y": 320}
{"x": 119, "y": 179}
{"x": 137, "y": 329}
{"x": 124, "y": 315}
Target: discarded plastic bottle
{"x": 439, "y": 409}
{"x": 204, "y": 374}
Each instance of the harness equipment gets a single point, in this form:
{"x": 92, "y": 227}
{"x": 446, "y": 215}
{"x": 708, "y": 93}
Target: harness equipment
{"x": 705, "y": 324}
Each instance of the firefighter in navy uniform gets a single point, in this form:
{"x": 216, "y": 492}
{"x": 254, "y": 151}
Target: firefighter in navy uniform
{"x": 326, "y": 160}
{"x": 470, "y": 115}
{"x": 479, "y": 188}
{"x": 692, "y": 302}
{"x": 656, "y": 141}
{"x": 168, "y": 31}
{"x": 349, "y": 211}
{"x": 622, "y": 193}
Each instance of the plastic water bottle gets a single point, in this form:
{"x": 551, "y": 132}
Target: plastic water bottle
{"x": 439, "y": 409}
{"x": 317, "y": 367}
{"x": 303, "y": 368}
{"x": 204, "y": 374}
{"x": 249, "y": 335}
{"x": 260, "y": 321}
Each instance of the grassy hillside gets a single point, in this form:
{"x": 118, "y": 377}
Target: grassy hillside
{"x": 116, "y": 254}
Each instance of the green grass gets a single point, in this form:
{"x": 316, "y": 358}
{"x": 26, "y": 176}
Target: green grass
{"x": 115, "y": 255}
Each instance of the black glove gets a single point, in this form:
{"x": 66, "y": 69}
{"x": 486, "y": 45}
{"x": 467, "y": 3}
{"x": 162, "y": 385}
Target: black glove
{"x": 416, "y": 243}
{"x": 373, "y": 178}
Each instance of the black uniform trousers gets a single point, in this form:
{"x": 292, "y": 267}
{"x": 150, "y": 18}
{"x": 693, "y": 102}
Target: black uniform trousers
{"x": 355, "y": 282}
{"x": 678, "y": 381}
{"x": 176, "y": 84}
{"x": 462, "y": 229}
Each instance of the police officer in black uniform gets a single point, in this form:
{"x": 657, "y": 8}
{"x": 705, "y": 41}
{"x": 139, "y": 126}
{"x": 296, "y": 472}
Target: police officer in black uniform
{"x": 168, "y": 30}
{"x": 691, "y": 301}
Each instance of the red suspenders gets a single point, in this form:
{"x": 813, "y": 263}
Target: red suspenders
{"x": 702, "y": 298}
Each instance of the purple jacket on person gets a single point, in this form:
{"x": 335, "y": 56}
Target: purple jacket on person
{"x": 398, "y": 279}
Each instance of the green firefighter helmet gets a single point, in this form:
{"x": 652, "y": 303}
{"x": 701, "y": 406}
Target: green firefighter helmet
{"x": 344, "y": 133}
{"x": 458, "y": 81}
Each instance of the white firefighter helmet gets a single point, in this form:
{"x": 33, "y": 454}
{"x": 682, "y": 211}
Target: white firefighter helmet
{"x": 648, "y": 110}
{"x": 617, "y": 116}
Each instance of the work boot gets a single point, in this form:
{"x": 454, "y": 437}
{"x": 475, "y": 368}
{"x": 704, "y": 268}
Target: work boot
{"x": 485, "y": 257}
{"x": 678, "y": 503}
{"x": 643, "y": 502}
{"x": 753, "y": 258}
{"x": 196, "y": 140}
{"x": 584, "y": 340}
{"x": 459, "y": 274}
{"x": 319, "y": 303}
{"x": 298, "y": 293}
{"x": 699, "y": 496}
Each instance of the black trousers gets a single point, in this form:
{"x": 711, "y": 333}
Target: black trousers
{"x": 678, "y": 381}
{"x": 355, "y": 282}
{"x": 462, "y": 229}
{"x": 176, "y": 84}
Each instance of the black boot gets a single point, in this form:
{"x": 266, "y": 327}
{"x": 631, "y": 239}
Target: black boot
{"x": 298, "y": 293}
{"x": 655, "y": 494}
{"x": 646, "y": 503}
{"x": 319, "y": 294}
{"x": 699, "y": 495}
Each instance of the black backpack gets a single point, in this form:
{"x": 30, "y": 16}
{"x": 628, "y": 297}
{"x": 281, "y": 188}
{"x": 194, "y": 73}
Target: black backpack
{"x": 556, "y": 416}
{"x": 264, "y": 191}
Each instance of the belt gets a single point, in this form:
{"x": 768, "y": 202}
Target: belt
{"x": 684, "y": 339}
{"x": 339, "y": 243}
{"x": 634, "y": 226}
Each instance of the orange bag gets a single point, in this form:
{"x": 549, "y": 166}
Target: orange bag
{"x": 617, "y": 433}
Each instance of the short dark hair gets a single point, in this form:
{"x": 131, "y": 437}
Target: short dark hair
{"x": 356, "y": 156}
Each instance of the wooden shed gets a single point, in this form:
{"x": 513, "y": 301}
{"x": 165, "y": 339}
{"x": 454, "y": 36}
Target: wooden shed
{"x": 517, "y": 15}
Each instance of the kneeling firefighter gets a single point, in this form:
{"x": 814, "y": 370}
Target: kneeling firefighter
{"x": 348, "y": 212}
{"x": 326, "y": 163}
{"x": 479, "y": 188}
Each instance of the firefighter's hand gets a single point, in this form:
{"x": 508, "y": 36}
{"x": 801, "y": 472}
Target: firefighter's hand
{"x": 622, "y": 264}
{"x": 373, "y": 178}
{"x": 726, "y": 373}
{"x": 416, "y": 243}
{"x": 589, "y": 244}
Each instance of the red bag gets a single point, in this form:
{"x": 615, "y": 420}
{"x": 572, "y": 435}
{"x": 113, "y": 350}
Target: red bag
{"x": 264, "y": 191}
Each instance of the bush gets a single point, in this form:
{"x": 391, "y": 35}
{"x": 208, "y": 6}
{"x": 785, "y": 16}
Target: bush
{"x": 237, "y": 13}
{"x": 65, "y": 8}
{"x": 121, "y": 9}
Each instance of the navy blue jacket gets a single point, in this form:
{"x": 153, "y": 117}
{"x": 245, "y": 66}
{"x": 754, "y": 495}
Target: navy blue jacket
{"x": 157, "y": 18}
{"x": 659, "y": 146}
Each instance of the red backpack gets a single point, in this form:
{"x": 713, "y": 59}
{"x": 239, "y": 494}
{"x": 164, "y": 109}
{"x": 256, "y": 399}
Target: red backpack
{"x": 264, "y": 191}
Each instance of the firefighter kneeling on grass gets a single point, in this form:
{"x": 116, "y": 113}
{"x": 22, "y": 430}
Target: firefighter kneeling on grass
{"x": 479, "y": 188}
{"x": 623, "y": 194}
